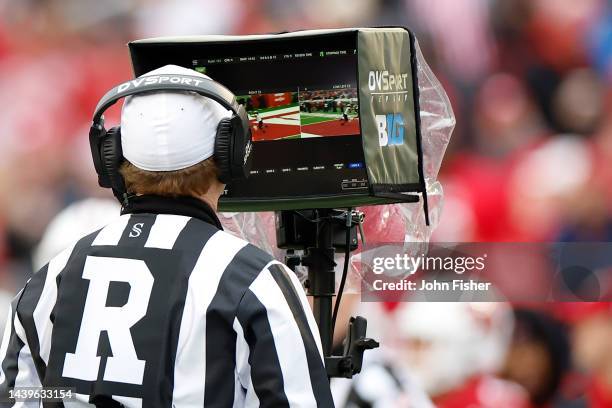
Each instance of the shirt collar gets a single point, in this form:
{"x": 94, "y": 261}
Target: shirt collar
{"x": 188, "y": 206}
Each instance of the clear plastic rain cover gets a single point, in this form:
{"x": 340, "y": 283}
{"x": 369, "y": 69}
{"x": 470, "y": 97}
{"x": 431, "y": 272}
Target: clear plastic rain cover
{"x": 391, "y": 224}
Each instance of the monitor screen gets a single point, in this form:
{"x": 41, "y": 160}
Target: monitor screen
{"x": 301, "y": 95}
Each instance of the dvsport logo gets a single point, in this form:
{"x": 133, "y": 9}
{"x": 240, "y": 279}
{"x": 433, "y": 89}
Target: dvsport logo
{"x": 160, "y": 79}
{"x": 390, "y": 129}
{"x": 383, "y": 81}
{"x": 247, "y": 152}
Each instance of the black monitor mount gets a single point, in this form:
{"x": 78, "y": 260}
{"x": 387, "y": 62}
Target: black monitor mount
{"x": 319, "y": 233}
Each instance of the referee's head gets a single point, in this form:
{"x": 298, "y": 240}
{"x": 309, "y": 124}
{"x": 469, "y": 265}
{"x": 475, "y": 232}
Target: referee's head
{"x": 168, "y": 141}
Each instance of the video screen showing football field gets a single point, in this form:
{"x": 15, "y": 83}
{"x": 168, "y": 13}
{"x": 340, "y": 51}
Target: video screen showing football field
{"x": 329, "y": 112}
{"x": 308, "y": 113}
{"x": 273, "y": 116}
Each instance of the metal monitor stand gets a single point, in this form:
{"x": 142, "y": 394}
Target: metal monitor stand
{"x": 320, "y": 233}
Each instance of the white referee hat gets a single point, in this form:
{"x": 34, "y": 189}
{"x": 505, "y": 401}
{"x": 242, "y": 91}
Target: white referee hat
{"x": 169, "y": 130}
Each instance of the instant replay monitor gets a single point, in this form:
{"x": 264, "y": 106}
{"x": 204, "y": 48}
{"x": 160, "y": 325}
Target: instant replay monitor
{"x": 333, "y": 113}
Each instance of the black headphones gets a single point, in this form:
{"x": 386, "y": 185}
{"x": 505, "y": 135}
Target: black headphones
{"x": 232, "y": 142}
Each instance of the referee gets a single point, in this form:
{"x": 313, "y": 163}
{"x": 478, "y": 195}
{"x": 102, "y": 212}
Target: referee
{"x": 162, "y": 308}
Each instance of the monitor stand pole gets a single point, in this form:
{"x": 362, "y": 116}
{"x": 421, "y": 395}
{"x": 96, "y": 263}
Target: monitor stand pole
{"x": 321, "y": 236}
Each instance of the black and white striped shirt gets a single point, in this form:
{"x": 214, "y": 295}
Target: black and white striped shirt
{"x": 162, "y": 308}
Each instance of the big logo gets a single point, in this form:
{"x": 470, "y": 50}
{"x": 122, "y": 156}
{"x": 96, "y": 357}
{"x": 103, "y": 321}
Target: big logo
{"x": 390, "y": 129}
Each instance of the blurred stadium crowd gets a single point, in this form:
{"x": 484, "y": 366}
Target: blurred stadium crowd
{"x": 530, "y": 82}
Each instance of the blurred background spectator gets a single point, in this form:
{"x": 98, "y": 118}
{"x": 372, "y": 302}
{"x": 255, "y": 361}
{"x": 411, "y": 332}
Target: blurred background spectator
{"x": 530, "y": 82}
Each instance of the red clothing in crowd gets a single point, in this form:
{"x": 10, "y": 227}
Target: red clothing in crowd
{"x": 485, "y": 392}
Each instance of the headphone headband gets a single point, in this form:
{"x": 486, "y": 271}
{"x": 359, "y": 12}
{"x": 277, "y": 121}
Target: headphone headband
{"x": 167, "y": 82}
{"x": 232, "y": 140}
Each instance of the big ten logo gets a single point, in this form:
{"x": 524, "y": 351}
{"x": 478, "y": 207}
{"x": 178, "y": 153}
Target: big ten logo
{"x": 390, "y": 129}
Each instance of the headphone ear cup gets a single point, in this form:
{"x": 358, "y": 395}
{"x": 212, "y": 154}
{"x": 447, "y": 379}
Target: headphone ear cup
{"x": 242, "y": 157}
{"x": 112, "y": 158}
{"x": 223, "y": 149}
{"x": 97, "y": 134}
